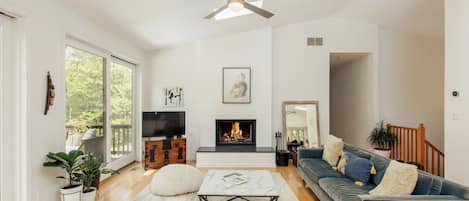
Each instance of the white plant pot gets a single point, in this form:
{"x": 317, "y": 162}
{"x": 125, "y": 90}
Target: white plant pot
{"x": 384, "y": 153}
{"x": 71, "y": 194}
{"x": 90, "y": 196}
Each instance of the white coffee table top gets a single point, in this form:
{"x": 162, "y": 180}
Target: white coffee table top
{"x": 260, "y": 184}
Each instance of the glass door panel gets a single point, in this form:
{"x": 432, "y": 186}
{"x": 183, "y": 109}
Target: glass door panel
{"x": 122, "y": 101}
{"x": 85, "y": 101}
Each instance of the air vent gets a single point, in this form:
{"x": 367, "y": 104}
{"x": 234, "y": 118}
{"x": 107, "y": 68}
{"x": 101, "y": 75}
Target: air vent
{"x": 315, "y": 41}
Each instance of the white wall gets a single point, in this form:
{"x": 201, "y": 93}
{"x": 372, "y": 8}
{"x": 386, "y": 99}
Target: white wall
{"x": 198, "y": 68}
{"x": 44, "y": 26}
{"x": 411, "y": 74}
{"x": 456, "y": 72}
{"x": 352, "y": 114}
{"x": 298, "y": 72}
{"x": 301, "y": 72}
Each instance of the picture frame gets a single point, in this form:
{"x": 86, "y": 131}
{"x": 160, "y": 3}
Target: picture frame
{"x": 236, "y": 87}
{"x": 173, "y": 96}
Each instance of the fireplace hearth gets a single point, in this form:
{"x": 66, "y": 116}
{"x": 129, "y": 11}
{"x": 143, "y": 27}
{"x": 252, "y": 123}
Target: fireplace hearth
{"x": 235, "y": 132}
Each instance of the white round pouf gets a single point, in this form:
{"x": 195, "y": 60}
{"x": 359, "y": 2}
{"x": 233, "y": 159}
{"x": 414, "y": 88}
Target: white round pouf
{"x": 176, "y": 179}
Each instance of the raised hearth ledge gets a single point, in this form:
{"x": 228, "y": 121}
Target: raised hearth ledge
{"x": 262, "y": 157}
{"x": 242, "y": 148}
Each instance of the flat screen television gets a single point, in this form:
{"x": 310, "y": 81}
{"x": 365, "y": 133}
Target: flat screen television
{"x": 161, "y": 124}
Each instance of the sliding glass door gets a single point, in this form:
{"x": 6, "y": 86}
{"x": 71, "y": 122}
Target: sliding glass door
{"x": 100, "y": 105}
{"x": 85, "y": 101}
{"x": 122, "y": 139}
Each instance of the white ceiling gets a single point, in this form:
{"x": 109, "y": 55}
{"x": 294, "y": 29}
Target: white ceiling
{"x": 154, "y": 24}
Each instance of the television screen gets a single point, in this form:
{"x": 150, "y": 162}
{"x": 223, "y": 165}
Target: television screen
{"x": 160, "y": 124}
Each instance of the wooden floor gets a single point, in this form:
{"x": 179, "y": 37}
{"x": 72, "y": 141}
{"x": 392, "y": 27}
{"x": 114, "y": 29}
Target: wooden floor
{"x": 133, "y": 179}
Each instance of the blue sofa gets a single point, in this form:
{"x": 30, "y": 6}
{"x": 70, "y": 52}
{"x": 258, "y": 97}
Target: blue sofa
{"x": 330, "y": 185}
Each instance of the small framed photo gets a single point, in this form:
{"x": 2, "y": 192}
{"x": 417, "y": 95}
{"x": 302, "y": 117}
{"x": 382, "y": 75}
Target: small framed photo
{"x": 237, "y": 85}
{"x": 173, "y": 97}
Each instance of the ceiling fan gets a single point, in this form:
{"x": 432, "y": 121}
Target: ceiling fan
{"x": 237, "y": 6}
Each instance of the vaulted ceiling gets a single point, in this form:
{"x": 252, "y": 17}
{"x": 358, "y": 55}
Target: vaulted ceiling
{"x": 153, "y": 24}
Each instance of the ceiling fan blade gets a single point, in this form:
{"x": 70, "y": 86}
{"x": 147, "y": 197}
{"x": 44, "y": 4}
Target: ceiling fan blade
{"x": 219, "y": 10}
{"x": 258, "y": 10}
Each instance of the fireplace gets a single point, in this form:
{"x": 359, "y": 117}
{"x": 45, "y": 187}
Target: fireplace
{"x": 235, "y": 132}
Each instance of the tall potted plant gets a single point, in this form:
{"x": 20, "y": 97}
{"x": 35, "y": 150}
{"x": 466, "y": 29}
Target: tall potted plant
{"x": 71, "y": 163}
{"x": 382, "y": 140}
{"x": 91, "y": 170}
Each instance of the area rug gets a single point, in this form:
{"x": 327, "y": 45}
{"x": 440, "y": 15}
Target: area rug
{"x": 286, "y": 194}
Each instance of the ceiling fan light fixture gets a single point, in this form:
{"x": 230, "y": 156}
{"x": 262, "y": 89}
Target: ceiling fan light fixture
{"x": 236, "y": 5}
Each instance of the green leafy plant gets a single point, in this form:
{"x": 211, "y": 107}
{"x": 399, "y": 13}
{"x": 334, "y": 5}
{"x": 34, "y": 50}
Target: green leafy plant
{"x": 71, "y": 162}
{"x": 381, "y": 138}
{"x": 91, "y": 169}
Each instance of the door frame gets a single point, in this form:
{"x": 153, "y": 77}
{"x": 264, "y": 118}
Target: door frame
{"x": 14, "y": 101}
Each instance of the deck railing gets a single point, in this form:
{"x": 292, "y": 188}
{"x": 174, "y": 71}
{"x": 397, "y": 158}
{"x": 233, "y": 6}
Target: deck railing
{"x": 121, "y": 137}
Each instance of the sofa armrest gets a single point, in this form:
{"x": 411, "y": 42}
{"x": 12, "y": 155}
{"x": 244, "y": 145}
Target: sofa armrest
{"x": 310, "y": 153}
{"x": 407, "y": 197}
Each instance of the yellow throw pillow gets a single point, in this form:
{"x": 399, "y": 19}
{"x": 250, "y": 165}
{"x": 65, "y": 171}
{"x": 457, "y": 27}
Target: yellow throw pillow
{"x": 332, "y": 150}
{"x": 399, "y": 179}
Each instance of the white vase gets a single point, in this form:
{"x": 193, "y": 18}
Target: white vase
{"x": 384, "y": 153}
{"x": 90, "y": 196}
{"x": 71, "y": 193}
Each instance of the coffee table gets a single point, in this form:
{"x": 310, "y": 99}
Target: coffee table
{"x": 260, "y": 184}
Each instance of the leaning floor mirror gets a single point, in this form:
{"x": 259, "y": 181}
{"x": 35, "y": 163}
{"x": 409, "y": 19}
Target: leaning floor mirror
{"x": 301, "y": 123}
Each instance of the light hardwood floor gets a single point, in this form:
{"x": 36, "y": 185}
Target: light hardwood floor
{"x": 134, "y": 178}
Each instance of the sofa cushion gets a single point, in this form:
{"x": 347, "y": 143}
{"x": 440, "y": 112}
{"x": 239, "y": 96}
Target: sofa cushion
{"x": 343, "y": 189}
{"x": 452, "y": 188}
{"x": 428, "y": 184}
{"x": 380, "y": 163}
{"x": 316, "y": 169}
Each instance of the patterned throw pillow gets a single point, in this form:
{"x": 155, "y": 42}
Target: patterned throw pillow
{"x": 342, "y": 163}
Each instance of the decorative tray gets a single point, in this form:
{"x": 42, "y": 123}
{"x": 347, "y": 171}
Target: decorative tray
{"x": 235, "y": 178}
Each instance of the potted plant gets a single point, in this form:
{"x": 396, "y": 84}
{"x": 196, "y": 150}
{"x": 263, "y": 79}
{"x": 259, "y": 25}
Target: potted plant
{"x": 71, "y": 162}
{"x": 91, "y": 170}
{"x": 382, "y": 140}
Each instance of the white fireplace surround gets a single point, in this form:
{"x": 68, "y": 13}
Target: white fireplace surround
{"x": 235, "y": 159}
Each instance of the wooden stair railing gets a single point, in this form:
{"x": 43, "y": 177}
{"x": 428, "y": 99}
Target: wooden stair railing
{"x": 412, "y": 146}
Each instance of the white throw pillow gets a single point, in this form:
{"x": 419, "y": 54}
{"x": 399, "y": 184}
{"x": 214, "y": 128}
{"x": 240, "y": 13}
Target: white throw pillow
{"x": 176, "y": 180}
{"x": 399, "y": 179}
{"x": 332, "y": 150}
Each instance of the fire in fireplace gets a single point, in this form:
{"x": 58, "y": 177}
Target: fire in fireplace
{"x": 236, "y": 132}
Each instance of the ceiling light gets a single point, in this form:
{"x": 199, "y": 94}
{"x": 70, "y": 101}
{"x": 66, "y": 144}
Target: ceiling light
{"x": 236, "y": 6}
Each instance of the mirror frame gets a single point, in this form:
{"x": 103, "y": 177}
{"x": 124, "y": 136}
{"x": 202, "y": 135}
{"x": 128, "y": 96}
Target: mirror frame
{"x": 302, "y": 102}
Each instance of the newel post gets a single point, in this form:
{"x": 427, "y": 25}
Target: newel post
{"x": 421, "y": 155}
{"x": 392, "y": 147}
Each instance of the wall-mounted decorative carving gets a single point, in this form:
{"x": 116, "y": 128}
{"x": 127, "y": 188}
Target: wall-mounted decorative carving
{"x": 50, "y": 94}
